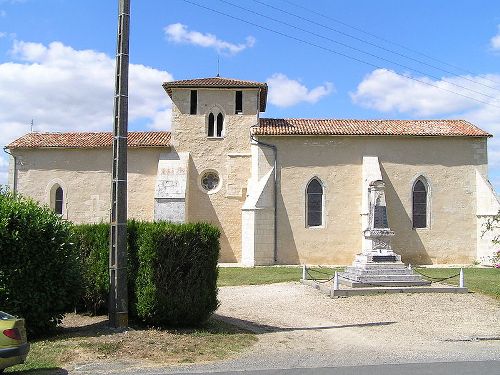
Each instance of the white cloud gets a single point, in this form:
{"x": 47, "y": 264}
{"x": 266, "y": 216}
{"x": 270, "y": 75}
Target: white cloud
{"x": 495, "y": 41}
{"x": 179, "y": 33}
{"x": 64, "y": 89}
{"x": 386, "y": 91}
{"x": 286, "y": 92}
{"x": 2, "y": 34}
{"x": 3, "y": 13}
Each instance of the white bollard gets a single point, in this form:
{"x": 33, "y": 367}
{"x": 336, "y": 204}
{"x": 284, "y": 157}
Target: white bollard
{"x": 462, "y": 282}
{"x": 304, "y": 272}
{"x": 336, "y": 281}
{"x": 409, "y": 266}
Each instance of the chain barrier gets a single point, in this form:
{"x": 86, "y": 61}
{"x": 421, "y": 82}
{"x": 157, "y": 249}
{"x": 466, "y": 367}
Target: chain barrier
{"x": 320, "y": 281}
{"x": 435, "y": 279}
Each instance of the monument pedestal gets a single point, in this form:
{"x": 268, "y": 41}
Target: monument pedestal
{"x": 372, "y": 270}
{"x": 378, "y": 264}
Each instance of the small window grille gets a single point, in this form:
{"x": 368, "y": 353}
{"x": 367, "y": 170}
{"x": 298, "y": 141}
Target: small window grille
{"x": 194, "y": 102}
{"x": 210, "y": 181}
{"x": 239, "y": 102}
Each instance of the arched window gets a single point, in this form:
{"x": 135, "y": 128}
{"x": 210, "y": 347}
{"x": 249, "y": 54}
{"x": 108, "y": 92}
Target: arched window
{"x": 220, "y": 121}
{"x": 419, "y": 206}
{"x": 314, "y": 203}
{"x": 58, "y": 201}
{"x": 211, "y": 125}
{"x": 215, "y": 129}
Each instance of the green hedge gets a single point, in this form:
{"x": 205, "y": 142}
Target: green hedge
{"x": 92, "y": 244}
{"x": 177, "y": 278}
{"x": 172, "y": 270}
{"x": 39, "y": 274}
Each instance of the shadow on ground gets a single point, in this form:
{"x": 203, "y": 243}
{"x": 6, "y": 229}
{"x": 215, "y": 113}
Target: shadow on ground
{"x": 265, "y": 328}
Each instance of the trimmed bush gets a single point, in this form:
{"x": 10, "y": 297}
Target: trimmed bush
{"x": 177, "y": 277}
{"x": 39, "y": 274}
{"x": 172, "y": 271}
{"x": 92, "y": 244}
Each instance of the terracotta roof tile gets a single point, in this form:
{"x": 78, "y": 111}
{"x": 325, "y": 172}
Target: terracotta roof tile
{"x": 444, "y": 128}
{"x": 89, "y": 140}
{"x": 219, "y": 82}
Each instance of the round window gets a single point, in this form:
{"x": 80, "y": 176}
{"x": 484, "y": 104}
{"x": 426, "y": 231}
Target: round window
{"x": 210, "y": 181}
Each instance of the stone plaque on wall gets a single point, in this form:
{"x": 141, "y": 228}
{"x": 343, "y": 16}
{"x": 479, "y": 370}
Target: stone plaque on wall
{"x": 170, "y": 190}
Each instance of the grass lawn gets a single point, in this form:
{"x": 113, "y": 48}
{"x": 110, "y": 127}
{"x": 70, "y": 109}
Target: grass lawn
{"x": 481, "y": 280}
{"x": 233, "y": 276}
{"x": 87, "y": 339}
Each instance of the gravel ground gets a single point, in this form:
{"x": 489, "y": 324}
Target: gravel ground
{"x": 300, "y": 327}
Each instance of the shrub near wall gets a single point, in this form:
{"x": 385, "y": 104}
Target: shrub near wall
{"x": 177, "y": 277}
{"x": 92, "y": 244}
{"x": 39, "y": 275}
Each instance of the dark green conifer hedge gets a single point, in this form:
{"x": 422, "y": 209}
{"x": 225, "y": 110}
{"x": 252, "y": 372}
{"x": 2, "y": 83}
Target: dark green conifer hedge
{"x": 177, "y": 277}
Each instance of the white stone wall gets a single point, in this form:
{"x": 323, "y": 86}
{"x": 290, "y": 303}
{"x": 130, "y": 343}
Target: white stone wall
{"x": 448, "y": 163}
{"x": 488, "y": 207}
{"x": 85, "y": 176}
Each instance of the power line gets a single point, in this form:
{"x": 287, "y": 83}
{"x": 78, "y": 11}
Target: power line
{"x": 357, "y": 49}
{"x": 385, "y": 40}
{"x": 373, "y": 44}
{"x": 333, "y": 51}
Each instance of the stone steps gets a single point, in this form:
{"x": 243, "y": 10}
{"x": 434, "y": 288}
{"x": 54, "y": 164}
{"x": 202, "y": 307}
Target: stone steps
{"x": 393, "y": 271}
{"x": 381, "y": 278}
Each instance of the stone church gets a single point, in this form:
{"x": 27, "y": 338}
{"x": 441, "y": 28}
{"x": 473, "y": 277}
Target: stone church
{"x": 282, "y": 191}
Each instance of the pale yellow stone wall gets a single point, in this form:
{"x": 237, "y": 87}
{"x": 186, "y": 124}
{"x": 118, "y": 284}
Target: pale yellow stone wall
{"x": 229, "y": 156}
{"x": 447, "y": 163}
{"x": 85, "y": 176}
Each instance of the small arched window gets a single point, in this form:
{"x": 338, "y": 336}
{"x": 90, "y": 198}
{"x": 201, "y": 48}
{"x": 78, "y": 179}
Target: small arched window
{"x": 314, "y": 203}
{"x": 58, "y": 201}
{"x": 419, "y": 206}
{"x": 211, "y": 126}
{"x": 220, "y": 121}
{"x": 215, "y": 125}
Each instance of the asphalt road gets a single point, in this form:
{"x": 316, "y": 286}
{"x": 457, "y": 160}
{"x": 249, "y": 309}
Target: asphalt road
{"x": 438, "y": 368}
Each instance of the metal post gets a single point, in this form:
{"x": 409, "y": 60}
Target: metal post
{"x": 118, "y": 298}
{"x": 304, "y": 272}
{"x": 336, "y": 281}
{"x": 462, "y": 281}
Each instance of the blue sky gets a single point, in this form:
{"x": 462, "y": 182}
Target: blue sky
{"x": 57, "y": 56}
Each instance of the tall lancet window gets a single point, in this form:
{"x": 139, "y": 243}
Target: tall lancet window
{"x": 211, "y": 123}
{"x": 220, "y": 122}
{"x": 58, "y": 201}
{"x": 420, "y": 206}
{"x": 314, "y": 203}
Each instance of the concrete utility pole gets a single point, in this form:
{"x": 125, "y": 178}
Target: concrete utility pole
{"x": 118, "y": 297}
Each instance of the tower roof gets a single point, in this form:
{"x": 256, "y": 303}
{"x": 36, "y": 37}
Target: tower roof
{"x": 219, "y": 82}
